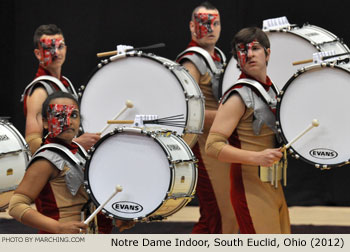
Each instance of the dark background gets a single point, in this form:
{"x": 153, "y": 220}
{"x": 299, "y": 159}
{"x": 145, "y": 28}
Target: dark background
{"x": 95, "y": 26}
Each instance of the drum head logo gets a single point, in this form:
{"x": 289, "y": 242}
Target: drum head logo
{"x": 4, "y": 138}
{"x": 323, "y": 153}
{"x": 127, "y": 207}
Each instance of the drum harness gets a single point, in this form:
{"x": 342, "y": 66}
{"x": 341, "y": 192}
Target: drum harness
{"x": 206, "y": 62}
{"x": 75, "y": 177}
{"x": 43, "y": 80}
{"x": 263, "y": 114}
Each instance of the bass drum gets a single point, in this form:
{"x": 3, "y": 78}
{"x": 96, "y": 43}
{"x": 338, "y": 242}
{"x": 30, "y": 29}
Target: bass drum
{"x": 14, "y": 157}
{"x": 155, "y": 85}
{"x": 317, "y": 92}
{"x": 157, "y": 171}
{"x": 288, "y": 46}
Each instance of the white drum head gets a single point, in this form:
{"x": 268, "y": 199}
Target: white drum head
{"x": 137, "y": 163}
{"x": 319, "y": 93}
{"x": 153, "y": 89}
{"x": 286, "y": 48}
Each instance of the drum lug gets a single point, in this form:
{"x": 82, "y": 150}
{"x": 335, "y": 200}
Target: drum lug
{"x": 154, "y": 218}
{"x": 325, "y": 167}
{"x": 191, "y": 161}
{"x": 198, "y": 97}
{"x": 179, "y": 196}
{"x": 168, "y": 65}
{"x": 15, "y": 152}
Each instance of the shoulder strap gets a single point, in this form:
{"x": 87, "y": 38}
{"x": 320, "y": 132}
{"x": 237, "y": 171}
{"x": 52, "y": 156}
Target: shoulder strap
{"x": 43, "y": 78}
{"x": 58, "y": 149}
{"x": 81, "y": 149}
{"x": 222, "y": 55}
{"x": 71, "y": 87}
{"x": 257, "y": 86}
{"x": 206, "y": 56}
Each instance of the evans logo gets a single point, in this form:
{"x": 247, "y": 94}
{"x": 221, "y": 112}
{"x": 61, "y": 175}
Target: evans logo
{"x": 323, "y": 153}
{"x": 4, "y": 138}
{"x": 127, "y": 207}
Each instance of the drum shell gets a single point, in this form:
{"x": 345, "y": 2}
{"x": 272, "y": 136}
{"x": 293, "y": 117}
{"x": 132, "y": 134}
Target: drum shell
{"x": 157, "y": 166}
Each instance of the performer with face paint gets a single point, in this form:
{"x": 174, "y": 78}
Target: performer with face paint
{"x": 205, "y": 62}
{"x": 244, "y": 134}
{"x": 54, "y": 177}
{"x": 50, "y": 50}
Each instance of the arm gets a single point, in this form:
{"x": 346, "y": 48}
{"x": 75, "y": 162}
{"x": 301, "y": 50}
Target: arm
{"x": 226, "y": 121}
{"x": 34, "y": 125}
{"x": 87, "y": 140}
{"x": 193, "y": 70}
{"x": 34, "y": 180}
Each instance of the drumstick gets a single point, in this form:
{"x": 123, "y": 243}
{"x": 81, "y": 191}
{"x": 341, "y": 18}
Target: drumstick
{"x": 120, "y": 121}
{"x": 118, "y": 188}
{"x": 110, "y": 53}
{"x": 105, "y": 54}
{"x": 302, "y": 62}
{"x": 323, "y": 58}
{"x": 128, "y": 104}
{"x": 314, "y": 123}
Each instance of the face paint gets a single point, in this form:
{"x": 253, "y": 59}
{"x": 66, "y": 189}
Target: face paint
{"x": 58, "y": 118}
{"x": 242, "y": 52}
{"x": 48, "y": 49}
{"x": 204, "y": 23}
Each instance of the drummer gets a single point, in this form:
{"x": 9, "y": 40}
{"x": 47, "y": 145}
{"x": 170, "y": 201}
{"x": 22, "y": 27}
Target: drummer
{"x": 54, "y": 177}
{"x": 50, "y": 50}
{"x": 213, "y": 186}
{"x": 243, "y": 134}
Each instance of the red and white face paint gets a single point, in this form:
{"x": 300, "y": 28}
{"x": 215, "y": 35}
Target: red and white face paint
{"x": 204, "y": 23}
{"x": 48, "y": 49}
{"x": 242, "y": 52}
{"x": 58, "y": 118}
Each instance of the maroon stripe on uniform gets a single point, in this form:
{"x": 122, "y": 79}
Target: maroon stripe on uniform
{"x": 238, "y": 197}
{"x": 210, "y": 217}
{"x": 46, "y": 204}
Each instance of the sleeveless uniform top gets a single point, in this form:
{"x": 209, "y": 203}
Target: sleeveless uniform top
{"x": 64, "y": 196}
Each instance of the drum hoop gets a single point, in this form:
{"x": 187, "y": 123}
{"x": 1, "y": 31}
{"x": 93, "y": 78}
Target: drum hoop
{"x": 91, "y": 153}
{"x": 318, "y": 28}
{"x": 140, "y": 54}
{"x": 295, "y": 154}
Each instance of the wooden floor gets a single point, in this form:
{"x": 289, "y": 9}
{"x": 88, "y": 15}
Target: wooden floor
{"x": 316, "y": 215}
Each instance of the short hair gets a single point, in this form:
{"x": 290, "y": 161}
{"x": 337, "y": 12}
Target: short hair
{"x": 48, "y": 29}
{"x": 247, "y": 35}
{"x": 58, "y": 94}
{"x": 206, "y": 5}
